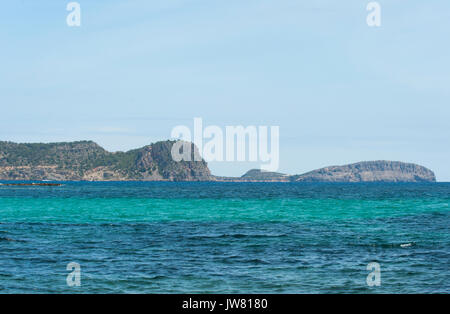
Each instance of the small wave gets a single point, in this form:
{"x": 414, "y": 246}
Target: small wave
{"x": 385, "y": 245}
{"x": 236, "y": 235}
{"x": 10, "y": 240}
{"x": 6, "y": 239}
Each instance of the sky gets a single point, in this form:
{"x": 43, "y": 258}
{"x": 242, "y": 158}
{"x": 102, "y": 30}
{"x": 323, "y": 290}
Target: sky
{"x": 339, "y": 90}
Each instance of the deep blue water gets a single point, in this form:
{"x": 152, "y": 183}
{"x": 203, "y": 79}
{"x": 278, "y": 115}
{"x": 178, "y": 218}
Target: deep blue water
{"x": 225, "y": 237}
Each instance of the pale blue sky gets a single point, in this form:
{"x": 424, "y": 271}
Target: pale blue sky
{"x": 340, "y": 91}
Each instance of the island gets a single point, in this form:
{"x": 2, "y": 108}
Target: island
{"x": 88, "y": 161}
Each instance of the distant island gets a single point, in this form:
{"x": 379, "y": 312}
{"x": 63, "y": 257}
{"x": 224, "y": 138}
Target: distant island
{"x": 365, "y": 171}
{"x": 87, "y": 161}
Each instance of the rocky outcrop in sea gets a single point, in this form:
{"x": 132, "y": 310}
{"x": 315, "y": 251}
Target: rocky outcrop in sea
{"x": 369, "y": 171}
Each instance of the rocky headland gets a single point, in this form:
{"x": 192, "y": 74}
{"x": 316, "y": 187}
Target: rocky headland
{"x": 369, "y": 171}
{"x": 87, "y": 161}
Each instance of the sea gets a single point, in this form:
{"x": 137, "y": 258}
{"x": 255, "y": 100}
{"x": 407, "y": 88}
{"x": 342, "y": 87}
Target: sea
{"x": 205, "y": 237}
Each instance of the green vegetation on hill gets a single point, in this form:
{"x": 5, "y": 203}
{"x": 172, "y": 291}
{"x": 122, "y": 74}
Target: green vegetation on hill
{"x": 75, "y": 160}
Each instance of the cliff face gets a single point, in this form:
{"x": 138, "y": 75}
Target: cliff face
{"x": 88, "y": 161}
{"x": 370, "y": 171}
{"x": 160, "y": 155}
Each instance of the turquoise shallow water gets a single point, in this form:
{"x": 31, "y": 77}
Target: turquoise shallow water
{"x": 225, "y": 237}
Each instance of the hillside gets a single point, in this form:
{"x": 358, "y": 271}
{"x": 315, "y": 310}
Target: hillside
{"x": 86, "y": 160}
